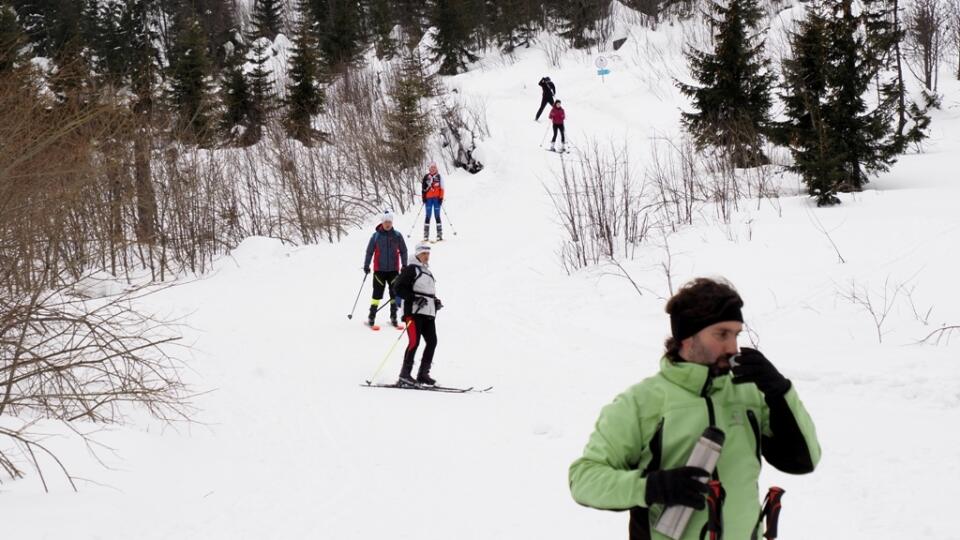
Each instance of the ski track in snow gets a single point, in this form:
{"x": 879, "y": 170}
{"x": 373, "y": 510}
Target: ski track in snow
{"x": 289, "y": 445}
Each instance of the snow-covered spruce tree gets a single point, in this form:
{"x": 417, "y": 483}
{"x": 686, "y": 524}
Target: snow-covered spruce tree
{"x": 862, "y": 136}
{"x": 512, "y": 23}
{"x": 732, "y": 97}
{"x": 190, "y": 93}
{"x": 836, "y": 139}
{"x": 12, "y": 41}
{"x": 235, "y": 96}
{"x": 578, "y": 20}
{"x": 305, "y": 96}
{"x": 406, "y": 123}
{"x": 339, "y": 32}
{"x": 266, "y": 20}
{"x": 50, "y": 24}
{"x": 453, "y": 36}
{"x": 217, "y": 20}
{"x": 380, "y": 20}
{"x": 263, "y": 98}
{"x": 805, "y": 92}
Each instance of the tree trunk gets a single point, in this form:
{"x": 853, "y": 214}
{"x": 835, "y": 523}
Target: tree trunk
{"x": 146, "y": 196}
{"x": 901, "y": 91}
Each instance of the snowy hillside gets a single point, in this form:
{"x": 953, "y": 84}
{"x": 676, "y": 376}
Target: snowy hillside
{"x": 290, "y": 446}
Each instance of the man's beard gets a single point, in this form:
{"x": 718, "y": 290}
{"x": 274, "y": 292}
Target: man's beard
{"x": 719, "y": 367}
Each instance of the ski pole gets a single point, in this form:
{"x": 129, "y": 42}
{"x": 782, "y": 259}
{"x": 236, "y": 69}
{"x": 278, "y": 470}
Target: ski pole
{"x": 454, "y": 229}
{"x": 544, "y": 138}
{"x": 385, "y": 305}
{"x": 415, "y": 218}
{"x": 385, "y": 358}
{"x": 362, "y": 283}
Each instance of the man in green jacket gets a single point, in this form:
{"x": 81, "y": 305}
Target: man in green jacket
{"x": 635, "y": 459}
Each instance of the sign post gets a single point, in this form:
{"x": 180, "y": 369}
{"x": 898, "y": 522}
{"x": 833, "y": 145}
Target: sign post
{"x": 602, "y": 70}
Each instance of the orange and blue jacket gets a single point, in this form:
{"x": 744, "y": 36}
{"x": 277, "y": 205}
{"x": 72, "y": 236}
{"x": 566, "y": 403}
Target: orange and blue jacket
{"x": 432, "y": 186}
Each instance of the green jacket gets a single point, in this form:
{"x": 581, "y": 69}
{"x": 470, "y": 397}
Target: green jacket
{"x": 655, "y": 424}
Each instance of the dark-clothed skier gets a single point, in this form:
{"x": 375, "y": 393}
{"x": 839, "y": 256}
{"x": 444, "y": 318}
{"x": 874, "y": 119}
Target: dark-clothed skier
{"x": 558, "y": 115}
{"x": 388, "y": 252}
{"x": 418, "y": 289}
{"x": 432, "y": 195}
{"x": 549, "y": 91}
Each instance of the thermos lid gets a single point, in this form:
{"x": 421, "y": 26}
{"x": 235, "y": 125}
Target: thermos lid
{"x": 715, "y": 435}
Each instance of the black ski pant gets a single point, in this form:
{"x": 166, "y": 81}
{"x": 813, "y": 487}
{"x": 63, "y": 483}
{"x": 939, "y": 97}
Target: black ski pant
{"x": 543, "y": 103}
{"x": 382, "y": 280}
{"x": 420, "y": 327}
{"x": 558, "y": 128}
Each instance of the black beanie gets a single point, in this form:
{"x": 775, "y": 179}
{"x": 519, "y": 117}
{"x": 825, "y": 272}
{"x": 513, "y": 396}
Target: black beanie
{"x": 685, "y": 326}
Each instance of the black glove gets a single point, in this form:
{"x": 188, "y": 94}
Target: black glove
{"x": 420, "y": 302}
{"x": 366, "y": 269}
{"x": 424, "y": 199}
{"x": 753, "y": 367}
{"x": 441, "y": 200}
{"x": 437, "y": 304}
{"x": 678, "y": 486}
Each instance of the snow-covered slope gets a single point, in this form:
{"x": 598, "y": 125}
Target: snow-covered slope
{"x": 291, "y": 446}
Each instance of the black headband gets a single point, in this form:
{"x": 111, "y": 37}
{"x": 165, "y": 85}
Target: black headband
{"x": 684, "y": 327}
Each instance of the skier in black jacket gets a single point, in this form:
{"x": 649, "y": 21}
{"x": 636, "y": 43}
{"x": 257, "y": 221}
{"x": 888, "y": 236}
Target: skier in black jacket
{"x": 418, "y": 290}
{"x": 388, "y": 252}
{"x": 549, "y": 91}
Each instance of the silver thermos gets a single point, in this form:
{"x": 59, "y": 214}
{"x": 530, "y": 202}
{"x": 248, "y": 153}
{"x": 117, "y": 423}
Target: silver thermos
{"x": 705, "y": 455}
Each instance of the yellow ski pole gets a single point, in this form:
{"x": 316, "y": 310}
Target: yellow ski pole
{"x": 385, "y": 358}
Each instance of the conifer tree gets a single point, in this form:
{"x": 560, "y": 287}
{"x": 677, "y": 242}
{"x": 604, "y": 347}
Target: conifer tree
{"x": 339, "y": 33}
{"x": 12, "y": 41}
{"x": 579, "y": 20}
{"x": 837, "y": 141}
{"x": 732, "y": 100}
{"x": 236, "y": 99}
{"x": 861, "y": 135}
{"x": 381, "y": 22}
{"x": 266, "y": 19}
{"x": 453, "y": 36}
{"x": 304, "y": 93}
{"x": 190, "y": 88}
{"x": 262, "y": 90}
{"x": 406, "y": 122}
{"x": 806, "y": 131}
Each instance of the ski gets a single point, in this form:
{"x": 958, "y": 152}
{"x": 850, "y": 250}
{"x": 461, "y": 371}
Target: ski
{"x": 558, "y": 151}
{"x": 374, "y": 327}
{"x": 399, "y": 327}
{"x": 444, "y": 389}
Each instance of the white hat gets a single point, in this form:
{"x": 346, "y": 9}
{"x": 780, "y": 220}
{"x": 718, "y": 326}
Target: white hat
{"x": 387, "y": 216}
{"x": 422, "y": 247}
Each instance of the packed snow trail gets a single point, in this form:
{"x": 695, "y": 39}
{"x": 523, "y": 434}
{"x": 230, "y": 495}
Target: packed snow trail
{"x": 291, "y": 446}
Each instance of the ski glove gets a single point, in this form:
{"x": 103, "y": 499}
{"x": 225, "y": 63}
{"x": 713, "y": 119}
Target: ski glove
{"x": 366, "y": 269}
{"x": 682, "y": 485}
{"x": 438, "y": 304}
{"x": 753, "y": 367}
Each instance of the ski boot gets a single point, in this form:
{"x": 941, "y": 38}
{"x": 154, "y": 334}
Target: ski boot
{"x": 439, "y": 233}
{"x": 426, "y": 380}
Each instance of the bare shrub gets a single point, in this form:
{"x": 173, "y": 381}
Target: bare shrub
{"x": 600, "y": 202}
{"x": 927, "y": 27}
{"x": 75, "y": 359}
{"x": 460, "y": 127}
{"x": 877, "y": 303}
{"x": 941, "y": 335}
{"x": 553, "y": 48}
